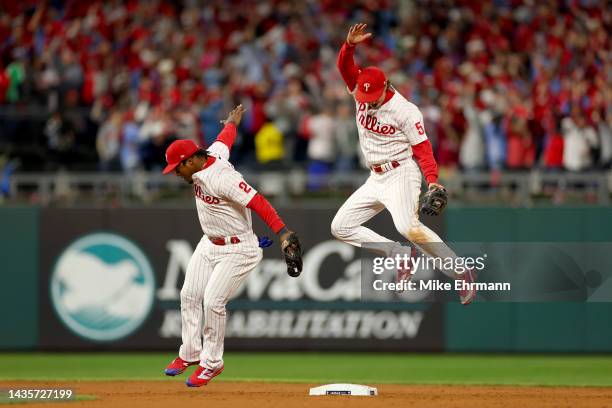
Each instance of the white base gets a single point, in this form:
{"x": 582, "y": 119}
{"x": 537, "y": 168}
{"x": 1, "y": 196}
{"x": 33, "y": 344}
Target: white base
{"x": 344, "y": 389}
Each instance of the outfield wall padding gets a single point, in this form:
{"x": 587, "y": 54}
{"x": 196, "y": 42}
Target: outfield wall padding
{"x": 529, "y": 327}
{"x": 19, "y": 277}
{"x": 33, "y": 240}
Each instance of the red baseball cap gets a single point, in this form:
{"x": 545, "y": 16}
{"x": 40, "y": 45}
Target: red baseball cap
{"x": 178, "y": 151}
{"x": 370, "y": 84}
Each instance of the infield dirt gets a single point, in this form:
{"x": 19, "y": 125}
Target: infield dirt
{"x": 154, "y": 394}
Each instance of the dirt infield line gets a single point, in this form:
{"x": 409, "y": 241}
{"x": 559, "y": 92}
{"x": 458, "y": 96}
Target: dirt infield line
{"x": 156, "y": 394}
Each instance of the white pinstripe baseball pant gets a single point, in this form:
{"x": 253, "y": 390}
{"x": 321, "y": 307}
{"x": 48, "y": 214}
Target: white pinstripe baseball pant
{"x": 397, "y": 190}
{"x": 213, "y": 274}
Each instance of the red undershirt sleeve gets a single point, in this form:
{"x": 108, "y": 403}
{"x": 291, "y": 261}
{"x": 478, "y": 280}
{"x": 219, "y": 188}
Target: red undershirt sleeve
{"x": 266, "y": 212}
{"x": 423, "y": 153}
{"x": 347, "y": 67}
{"x": 227, "y": 135}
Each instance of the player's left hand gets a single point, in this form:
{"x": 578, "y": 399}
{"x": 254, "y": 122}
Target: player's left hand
{"x": 235, "y": 116}
{"x": 292, "y": 250}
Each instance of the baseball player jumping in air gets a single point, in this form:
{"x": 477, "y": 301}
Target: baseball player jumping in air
{"x": 227, "y": 252}
{"x": 393, "y": 140}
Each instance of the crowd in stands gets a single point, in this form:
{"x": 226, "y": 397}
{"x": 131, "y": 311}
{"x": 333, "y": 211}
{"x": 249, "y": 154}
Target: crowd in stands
{"x": 503, "y": 85}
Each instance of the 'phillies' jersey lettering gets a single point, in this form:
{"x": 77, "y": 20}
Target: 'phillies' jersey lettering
{"x": 206, "y": 198}
{"x": 371, "y": 123}
{"x": 388, "y": 132}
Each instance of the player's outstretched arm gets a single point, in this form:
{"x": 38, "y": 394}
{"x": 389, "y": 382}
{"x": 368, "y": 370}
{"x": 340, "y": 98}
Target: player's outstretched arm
{"x": 436, "y": 198}
{"x": 422, "y": 150}
{"x": 290, "y": 244}
{"x": 423, "y": 153}
{"x": 266, "y": 212}
{"x": 225, "y": 140}
{"x": 346, "y": 63}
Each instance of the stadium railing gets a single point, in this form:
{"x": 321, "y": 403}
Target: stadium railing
{"x": 519, "y": 189}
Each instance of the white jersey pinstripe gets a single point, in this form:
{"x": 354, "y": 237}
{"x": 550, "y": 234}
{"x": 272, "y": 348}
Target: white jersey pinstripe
{"x": 388, "y": 132}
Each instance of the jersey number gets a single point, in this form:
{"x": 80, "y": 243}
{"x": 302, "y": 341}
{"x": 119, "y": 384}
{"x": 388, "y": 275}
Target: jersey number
{"x": 244, "y": 187}
{"x": 419, "y": 127}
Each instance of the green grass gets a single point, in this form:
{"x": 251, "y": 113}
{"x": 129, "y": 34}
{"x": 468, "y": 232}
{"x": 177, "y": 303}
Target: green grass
{"x": 370, "y": 368}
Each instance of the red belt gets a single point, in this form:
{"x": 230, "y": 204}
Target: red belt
{"x": 224, "y": 241}
{"x": 385, "y": 166}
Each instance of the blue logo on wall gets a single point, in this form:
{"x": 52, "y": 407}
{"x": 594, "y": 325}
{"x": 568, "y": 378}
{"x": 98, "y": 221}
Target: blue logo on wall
{"x": 102, "y": 287}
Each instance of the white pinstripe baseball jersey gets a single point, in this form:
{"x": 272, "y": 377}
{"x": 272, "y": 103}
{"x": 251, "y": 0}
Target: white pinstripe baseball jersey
{"x": 221, "y": 196}
{"x": 216, "y": 271}
{"x": 387, "y": 133}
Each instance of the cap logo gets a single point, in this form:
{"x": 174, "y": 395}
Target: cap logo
{"x": 182, "y": 155}
{"x": 366, "y": 86}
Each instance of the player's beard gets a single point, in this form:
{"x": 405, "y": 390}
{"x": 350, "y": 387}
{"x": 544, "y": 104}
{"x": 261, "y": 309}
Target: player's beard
{"x": 377, "y": 104}
{"x": 380, "y": 100}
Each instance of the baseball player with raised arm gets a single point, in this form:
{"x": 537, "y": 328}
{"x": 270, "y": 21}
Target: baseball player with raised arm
{"x": 227, "y": 252}
{"x": 393, "y": 141}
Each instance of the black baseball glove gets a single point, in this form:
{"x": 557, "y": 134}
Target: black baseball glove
{"x": 292, "y": 250}
{"x": 434, "y": 200}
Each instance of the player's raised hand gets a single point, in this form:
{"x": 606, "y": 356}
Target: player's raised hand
{"x": 357, "y": 34}
{"x": 235, "y": 116}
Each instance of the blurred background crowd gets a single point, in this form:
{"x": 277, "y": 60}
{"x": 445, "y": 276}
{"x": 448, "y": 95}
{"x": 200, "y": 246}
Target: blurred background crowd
{"x": 503, "y": 85}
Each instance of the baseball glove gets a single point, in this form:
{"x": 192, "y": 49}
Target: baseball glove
{"x": 434, "y": 200}
{"x": 292, "y": 250}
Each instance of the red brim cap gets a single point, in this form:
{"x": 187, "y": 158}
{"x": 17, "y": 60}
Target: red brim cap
{"x": 170, "y": 168}
{"x": 369, "y": 97}
{"x": 178, "y": 151}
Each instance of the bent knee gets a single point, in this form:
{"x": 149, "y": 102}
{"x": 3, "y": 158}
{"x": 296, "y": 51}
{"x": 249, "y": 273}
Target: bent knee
{"x": 190, "y": 298}
{"x": 340, "y": 230}
{"x": 188, "y": 295}
{"x": 214, "y": 306}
